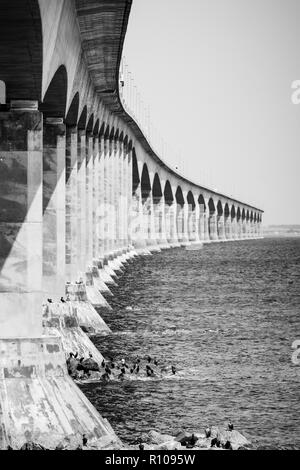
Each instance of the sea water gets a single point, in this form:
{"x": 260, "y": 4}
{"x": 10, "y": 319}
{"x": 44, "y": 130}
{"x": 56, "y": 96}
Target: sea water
{"x": 226, "y": 316}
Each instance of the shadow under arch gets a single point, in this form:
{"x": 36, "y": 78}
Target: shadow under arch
{"x": 55, "y": 99}
{"x": 72, "y": 113}
{"x": 168, "y": 193}
{"x": 145, "y": 183}
{"x": 135, "y": 172}
{"x": 82, "y": 121}
{"x": 21, "y": 49}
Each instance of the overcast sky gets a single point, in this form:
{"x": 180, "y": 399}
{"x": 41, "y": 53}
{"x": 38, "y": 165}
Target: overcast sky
{"x": 217, "y": 75}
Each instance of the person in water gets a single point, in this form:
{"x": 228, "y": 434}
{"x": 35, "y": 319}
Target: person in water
{"x": 173, "y": 370}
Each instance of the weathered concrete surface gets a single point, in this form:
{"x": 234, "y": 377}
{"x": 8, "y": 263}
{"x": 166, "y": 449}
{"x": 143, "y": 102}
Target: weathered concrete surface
{"x": 60, "y": 319}
{"x": 38, "y": 400}
{"x": 89, "y": 318}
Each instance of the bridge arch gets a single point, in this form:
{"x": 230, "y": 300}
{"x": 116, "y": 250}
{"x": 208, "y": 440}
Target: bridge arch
{"x": 90, "y": 124}
{"x": 96, "y": 128}
{"x": 82, "y": 121}
{"x": 73, "y": 111}
{"x": 55, "y": 99}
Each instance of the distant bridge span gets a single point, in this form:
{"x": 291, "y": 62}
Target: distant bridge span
{"x": 81, "y": 193}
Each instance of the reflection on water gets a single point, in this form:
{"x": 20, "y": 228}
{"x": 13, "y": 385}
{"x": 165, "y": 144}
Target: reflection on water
{"x": 226, "y": 316}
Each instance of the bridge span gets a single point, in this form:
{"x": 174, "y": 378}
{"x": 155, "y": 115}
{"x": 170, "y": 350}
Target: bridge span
{"x": 82, "y": 192}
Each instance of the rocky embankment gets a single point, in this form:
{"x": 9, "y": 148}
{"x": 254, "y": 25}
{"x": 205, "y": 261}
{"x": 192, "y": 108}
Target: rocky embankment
{"x": 156, "y": 441}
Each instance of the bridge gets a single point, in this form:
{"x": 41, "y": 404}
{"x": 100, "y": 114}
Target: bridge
{"x": 82, "y": 193}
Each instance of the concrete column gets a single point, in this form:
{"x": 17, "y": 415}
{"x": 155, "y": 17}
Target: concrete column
{"x": 89, "y": 199}
{"x": 111, "y": 207}
{"x": 21, "y": 221}
{"x": 96, "y": 189}
{"x": 243, "y": 228}
{"x": 115, "y": 196}
{"x": 191, "y": 223}
{"x": 202, "y": 222}
{"x": 81, "y": 200}
{"x": 72, "y": 265}
{"x": 213, "y": 234}
{"x": 206, "y": 226}
{"x": 197, "y": 222}
{"x": 128, "y": 196}
{"x": 228, "y": 228}
{"x": 160, "y": 221}
{"x": 233, "y": 227}
{"x": 221, "y": 226}
{"x": 239, "y": 228}
{"x": 138, "y": 228}
{"x": 247, "y": 228}
{"x": 120, "y": 208}
{"x": 121, "y": 198}
{"x": 54, "y": 209}
{"x": 180, "y": 222}
{"x": 101, "y": 201}
{"x": 174, "y": 239}
{"x": 252, "y": 228}
{"x": 106, "y": 221}
{"x": 148, "y": 219}
{"x": 167, "y": 207}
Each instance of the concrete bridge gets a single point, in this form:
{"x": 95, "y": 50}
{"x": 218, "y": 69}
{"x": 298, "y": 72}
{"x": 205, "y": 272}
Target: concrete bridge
{"x": 82, "y": 192}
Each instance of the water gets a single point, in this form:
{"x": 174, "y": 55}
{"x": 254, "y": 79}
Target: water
{"x": 226, "y": 316}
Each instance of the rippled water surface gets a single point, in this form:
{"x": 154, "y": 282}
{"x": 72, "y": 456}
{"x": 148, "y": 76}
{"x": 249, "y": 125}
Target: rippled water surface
{"x": 226, "y": 316}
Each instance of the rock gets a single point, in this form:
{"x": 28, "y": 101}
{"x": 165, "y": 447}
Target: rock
{"x": 169, "y": 445}
{"x": 155, "y": 437}
{"x": 203, "y": 442}
{"x": 90, "y": 364}
{"x": 237, "y": 440}
{"x": 182, "y": 436}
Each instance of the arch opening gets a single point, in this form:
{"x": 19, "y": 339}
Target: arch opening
{"x": 211, "y": 206}
{"x": 72, "y": 114}
{"x": 168, "y": 193}
{"x": 156, "y": 189}
{"x": 219, "y": 208}
{"x": 145, "y": 183}
{"x": 55, "y": 100}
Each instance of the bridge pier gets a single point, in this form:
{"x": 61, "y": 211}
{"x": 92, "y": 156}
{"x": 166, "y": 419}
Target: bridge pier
{"x": 38, "y": 399}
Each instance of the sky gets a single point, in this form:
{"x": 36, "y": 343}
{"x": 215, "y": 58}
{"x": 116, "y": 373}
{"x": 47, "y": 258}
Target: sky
{"x": 217, "y": 75}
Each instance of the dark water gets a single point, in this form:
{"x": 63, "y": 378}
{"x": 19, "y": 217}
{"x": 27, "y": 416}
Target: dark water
{"x": 226, "y": 316}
